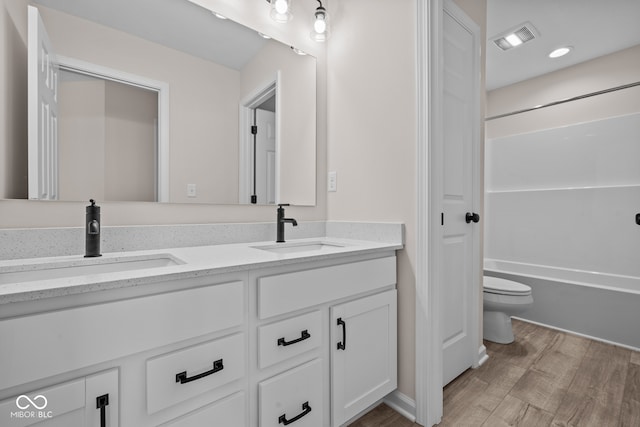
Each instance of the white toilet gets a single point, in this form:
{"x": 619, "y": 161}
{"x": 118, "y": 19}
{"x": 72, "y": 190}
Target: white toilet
{"x": 502, "y": 299}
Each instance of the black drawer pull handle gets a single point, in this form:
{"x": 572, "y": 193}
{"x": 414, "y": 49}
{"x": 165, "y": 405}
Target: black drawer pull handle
{"x": 303, "y": 336}
{"x": 183, "y": 379}
{"x": 343, "y": 345}
{"x": 101, "y": 403}
{"x": 305, "y": 410}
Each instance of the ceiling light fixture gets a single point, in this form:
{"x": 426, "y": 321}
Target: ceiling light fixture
{"x": 320, "y": 32}
{"x": 516, "y": 36}
{"x": 281, "y": 10}
{"x": 218, "y": 15}
{"x": 298, "y": 51}
{"x": 561, "y": 51}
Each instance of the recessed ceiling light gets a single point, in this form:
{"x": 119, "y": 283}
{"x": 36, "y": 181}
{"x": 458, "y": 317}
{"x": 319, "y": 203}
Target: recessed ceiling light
{"x": 561, "y": 51}
{"x": 218, "y": 15}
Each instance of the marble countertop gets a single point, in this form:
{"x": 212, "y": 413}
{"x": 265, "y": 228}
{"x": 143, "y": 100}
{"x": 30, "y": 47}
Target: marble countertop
{"x": 188, "y": 262}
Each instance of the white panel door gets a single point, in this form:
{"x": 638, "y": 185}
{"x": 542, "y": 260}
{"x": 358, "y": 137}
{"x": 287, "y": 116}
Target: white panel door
{"x": 266, "y": 157}
{"x": 42, "y": 111}
{"x": 458, "y": 237}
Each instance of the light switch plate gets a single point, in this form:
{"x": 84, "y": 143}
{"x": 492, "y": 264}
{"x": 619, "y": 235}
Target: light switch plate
{"x": 191, "y": 190}
{"x": 332, "y": 184}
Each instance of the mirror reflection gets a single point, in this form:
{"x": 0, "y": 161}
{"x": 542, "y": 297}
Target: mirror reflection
{"x": 162, "y": 103}
{"x": 115, "y": 119}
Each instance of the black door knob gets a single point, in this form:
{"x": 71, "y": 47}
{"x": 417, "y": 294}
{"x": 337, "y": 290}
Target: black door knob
{"x": 471, "y": 217}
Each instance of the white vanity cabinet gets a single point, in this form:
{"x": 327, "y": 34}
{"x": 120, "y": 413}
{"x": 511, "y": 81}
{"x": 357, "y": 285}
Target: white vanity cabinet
{"x": 172, "y": 352}
{"x": 301, "y": 306}
{"x": 253, "y": 346}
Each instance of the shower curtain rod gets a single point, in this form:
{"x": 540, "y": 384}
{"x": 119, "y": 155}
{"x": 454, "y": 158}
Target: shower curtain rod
{"x": 562, "y": 101}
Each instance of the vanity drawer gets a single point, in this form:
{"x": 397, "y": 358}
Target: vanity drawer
{"x": 228, "y": 412}
{"x": 284, "y": 293}
{"x": 101, "y": 332}
{"x": 281, "y": 340}
{"x": 183, "y": 374}
{"x": 297, "y": 393}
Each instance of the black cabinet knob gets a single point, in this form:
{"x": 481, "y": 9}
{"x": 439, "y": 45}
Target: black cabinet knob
{"x": 471, "y": 217}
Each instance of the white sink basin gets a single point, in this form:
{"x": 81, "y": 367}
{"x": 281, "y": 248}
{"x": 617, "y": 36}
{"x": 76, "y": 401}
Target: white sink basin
{"x": 293, "y": 247}
{"x": 83, "y": 267}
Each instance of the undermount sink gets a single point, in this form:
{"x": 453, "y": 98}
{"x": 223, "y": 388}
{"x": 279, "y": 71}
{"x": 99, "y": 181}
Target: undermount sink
{"x": 85, "y": 266}
{"x": 293, "y": 247}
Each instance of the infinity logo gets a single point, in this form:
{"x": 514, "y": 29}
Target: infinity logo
{"x": 33, "y": 403}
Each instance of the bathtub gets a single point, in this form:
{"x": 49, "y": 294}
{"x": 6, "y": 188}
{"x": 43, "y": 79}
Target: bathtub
{"x": 601, "y": 306}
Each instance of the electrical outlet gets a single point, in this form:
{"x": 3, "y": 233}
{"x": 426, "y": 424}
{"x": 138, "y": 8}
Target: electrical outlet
{"x": 191, "y": 190}
{"x": 332, "y": 184}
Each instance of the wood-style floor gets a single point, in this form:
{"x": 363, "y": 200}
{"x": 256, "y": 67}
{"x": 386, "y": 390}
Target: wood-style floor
{"x": 544, "y": 378}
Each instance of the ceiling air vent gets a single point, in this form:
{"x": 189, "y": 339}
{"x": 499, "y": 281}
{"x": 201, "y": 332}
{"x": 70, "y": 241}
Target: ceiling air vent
{"x": 516, "y": 36}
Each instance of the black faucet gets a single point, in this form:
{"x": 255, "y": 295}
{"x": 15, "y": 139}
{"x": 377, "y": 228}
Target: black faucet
{"x": 281, "y": 221}
{"x": 92, "y": 231}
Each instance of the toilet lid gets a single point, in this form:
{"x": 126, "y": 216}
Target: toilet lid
{"x": 496, "y": 285}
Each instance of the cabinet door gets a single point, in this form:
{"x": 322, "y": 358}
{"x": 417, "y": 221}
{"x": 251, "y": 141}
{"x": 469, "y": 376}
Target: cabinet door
{"x": 102, "y": 400}
{"x": 74, "y": 403}
{"x": 363, "y": 355}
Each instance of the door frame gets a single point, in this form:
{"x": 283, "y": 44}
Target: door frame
{"x": 429, "y": 395}
{"x": 247, "y": 105}
{"x": 162, "y": 88}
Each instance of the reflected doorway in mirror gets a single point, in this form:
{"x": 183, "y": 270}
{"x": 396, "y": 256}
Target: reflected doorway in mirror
{"x": 259, "y": 141}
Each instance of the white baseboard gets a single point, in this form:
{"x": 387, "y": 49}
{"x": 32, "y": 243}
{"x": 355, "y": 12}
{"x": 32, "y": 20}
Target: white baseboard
{"x": 406, "y": 406}
{"x": 482, "y": 355}
{"x": 630, "y": 347}
{"x": 402, "y": 404}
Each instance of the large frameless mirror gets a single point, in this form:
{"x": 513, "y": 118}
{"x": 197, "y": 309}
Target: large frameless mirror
{"x": 159, "y": 100}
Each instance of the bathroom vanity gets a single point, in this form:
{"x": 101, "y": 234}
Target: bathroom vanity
{"x": 301, "y": 333}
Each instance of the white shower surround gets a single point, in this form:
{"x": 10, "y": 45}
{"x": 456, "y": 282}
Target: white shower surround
{"x": 590, "y": 229}
{"x": 560, "y": 216}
